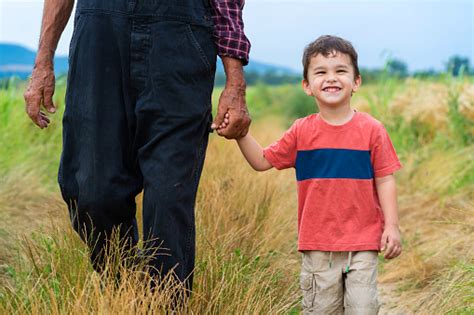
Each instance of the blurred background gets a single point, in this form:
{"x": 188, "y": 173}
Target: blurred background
{"x": 419, "y": 38}
{"x": 417, "y": 67}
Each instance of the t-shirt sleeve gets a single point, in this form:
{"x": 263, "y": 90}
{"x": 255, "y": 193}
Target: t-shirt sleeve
{"x": 384, "y": 158}
{"x": 282, "y": 153}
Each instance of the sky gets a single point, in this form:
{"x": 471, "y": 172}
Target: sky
{"x": 422, "y": 33}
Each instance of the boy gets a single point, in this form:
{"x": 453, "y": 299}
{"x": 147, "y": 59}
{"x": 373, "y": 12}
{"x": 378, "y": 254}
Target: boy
{"x": 344, "y": 161}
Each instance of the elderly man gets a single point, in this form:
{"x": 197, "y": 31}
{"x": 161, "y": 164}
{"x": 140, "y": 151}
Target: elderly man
{"x": 138, "y": 114}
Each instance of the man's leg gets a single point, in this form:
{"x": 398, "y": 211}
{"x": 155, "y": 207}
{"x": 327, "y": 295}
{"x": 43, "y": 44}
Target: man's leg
{"x": 174, "y": 115}
{"x": 99, "y": 176}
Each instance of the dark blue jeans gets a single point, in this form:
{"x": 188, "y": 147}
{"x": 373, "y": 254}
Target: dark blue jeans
{"x": 138, "y": 112}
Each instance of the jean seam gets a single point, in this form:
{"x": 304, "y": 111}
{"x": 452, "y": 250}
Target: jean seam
{"x": 199, "y": 49}
{"x": 79, "y": 25}
{"x": 199, "y": 155}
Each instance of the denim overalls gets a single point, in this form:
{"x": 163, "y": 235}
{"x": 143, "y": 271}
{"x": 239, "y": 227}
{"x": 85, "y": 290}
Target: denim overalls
{"x": 138, "y": 114}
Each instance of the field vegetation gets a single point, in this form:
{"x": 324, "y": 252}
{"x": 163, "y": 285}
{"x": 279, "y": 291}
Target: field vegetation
{"x": 247, "y": 261}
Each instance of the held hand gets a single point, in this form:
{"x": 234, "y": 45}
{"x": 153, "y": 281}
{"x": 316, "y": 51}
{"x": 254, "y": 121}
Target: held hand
{"x": 390, "y": 242}
{"x": 39, "y": 91}
{"x": 224, "y": 123}
{"x": 232, "y": 102}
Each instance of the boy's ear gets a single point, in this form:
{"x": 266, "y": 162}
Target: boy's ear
{"x": 306, "y": 87}
{"x": 357, "y": 83}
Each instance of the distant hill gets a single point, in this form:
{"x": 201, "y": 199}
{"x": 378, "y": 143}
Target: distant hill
{"x": 16, "y": 60}
{"x": 260, "y": 68}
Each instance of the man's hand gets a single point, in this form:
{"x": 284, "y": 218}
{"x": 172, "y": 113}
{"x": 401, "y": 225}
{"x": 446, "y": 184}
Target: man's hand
{"x": 232, "y": 101}
{"x": 40, "y": 90}
{"x": 390, "y": 242}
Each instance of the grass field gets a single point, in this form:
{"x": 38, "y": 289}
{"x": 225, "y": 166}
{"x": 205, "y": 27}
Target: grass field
{"x": 247, "y": 261}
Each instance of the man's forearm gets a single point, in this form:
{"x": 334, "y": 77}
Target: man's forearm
{"x": 232, "y": 101}
{"x": 56, "y": 14}
{"x": 234, "y": 72}
{"x": 387, "y": 192}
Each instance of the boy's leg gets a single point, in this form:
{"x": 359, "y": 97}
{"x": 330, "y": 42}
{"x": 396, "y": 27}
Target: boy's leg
{"x": 321, "y": 283}
{"x": 360, "y": 296}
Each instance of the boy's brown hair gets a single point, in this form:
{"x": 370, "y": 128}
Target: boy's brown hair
{"x": 326, "y": 45}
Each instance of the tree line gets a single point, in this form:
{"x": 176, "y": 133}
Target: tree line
{"x": 456, "y": 66}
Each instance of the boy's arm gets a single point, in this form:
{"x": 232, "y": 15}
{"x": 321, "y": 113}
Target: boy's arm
{"x": 253, "y": 153}
{"x": 387, "y": 192}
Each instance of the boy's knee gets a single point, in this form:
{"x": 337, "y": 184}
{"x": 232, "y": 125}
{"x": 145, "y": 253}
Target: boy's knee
{"x": 372, "y": 310}
{"x": 332, "y": 309}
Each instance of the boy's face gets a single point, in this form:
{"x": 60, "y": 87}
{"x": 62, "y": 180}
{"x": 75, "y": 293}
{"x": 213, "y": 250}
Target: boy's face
{"x": 331, "y": 79}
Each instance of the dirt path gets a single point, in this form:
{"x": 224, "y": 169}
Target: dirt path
{"x": 25, "y": 206}
{"x": 389, "y": 299}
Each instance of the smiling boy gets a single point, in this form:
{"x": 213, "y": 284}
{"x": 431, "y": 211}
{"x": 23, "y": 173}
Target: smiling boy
{"x": 347, "y": 204}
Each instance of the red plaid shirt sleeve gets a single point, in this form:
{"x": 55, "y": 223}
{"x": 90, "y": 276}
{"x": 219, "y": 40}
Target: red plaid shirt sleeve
{"x": 229, "y": 29}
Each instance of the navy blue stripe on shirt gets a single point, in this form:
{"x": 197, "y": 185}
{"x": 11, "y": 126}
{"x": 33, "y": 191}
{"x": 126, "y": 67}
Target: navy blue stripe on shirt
{"x": 333, "y": 163}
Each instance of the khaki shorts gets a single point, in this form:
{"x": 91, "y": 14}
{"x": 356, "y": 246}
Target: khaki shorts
{"x": 339, "y": 282}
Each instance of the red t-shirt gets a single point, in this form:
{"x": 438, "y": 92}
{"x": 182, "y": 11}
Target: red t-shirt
{"x": 338, "y": 206}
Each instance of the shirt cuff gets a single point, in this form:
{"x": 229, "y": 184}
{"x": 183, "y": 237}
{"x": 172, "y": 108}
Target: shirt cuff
{"x": 270, "y": 157}
{"x": 388, "y": 170}
{"x": 234, "y": 45}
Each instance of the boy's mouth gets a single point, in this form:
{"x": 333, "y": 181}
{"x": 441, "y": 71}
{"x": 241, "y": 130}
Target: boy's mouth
{"x": 332, "y": 89}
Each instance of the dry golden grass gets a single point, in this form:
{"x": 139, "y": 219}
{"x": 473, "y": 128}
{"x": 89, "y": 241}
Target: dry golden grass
{"x": 247, "y": 261}
{"x": 466, "y": 101}
{"x": 434, "y": 273}
{"x": 424, "y": 103}
{"x": 246, "y": 241}
{"x": 361, "y": 104}
{"x": 466, "y": 105}
{"x": 25, "y": 205}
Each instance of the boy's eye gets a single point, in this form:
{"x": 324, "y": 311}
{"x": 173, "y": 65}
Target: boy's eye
{"x": 320, "y": 72}
{"x": 341, "y": 71}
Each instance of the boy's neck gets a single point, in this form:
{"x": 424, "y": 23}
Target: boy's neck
{"x": 336, "y": 115}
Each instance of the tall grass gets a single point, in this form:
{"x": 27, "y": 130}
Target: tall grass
{"x": 246, "y": 222}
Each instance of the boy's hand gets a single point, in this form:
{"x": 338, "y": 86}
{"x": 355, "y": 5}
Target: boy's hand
{"x": 223, "y": 125}
{"x": 390, "y": 242}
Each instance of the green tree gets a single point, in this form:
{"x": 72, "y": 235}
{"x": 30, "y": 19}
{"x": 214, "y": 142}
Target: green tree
{"x": 457, "y": 65}
{"x": 397, "y": 68}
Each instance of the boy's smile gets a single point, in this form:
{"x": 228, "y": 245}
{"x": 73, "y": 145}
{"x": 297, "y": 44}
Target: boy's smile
{"x": 332, "y": 89}
{"x": 331, "y": 80}
{"x": 330, "y": 92}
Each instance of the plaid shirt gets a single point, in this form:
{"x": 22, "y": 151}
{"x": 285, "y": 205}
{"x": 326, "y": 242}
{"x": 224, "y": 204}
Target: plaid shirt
{"x": 229, "y": 29}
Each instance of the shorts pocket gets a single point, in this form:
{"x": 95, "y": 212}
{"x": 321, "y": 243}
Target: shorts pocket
{"x": 308, "y": 289}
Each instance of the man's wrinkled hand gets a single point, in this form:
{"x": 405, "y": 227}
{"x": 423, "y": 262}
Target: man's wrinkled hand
{"x": 39, "y": 92}
{"x": 232, "y": 102}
